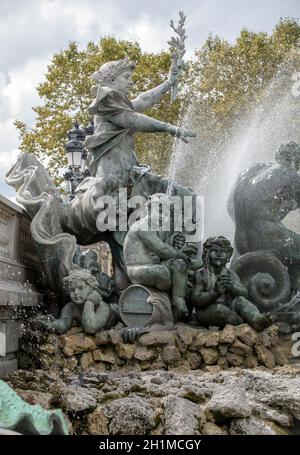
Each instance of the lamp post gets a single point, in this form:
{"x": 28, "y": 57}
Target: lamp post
{"x": 77, "y": 156}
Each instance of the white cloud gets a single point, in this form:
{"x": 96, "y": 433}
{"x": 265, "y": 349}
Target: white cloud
{"x": 151, "y": 35}
{"x": 21, "y": 89}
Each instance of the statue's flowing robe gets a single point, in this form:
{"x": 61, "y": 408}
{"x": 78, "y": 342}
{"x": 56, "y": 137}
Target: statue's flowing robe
{"x": 111, "y": 146}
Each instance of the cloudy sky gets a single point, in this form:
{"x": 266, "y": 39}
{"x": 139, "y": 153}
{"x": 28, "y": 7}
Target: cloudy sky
{"x": 32, "y": 31}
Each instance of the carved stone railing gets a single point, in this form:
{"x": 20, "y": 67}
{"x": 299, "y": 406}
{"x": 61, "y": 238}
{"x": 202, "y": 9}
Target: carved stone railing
{"x": 20, "y": 271}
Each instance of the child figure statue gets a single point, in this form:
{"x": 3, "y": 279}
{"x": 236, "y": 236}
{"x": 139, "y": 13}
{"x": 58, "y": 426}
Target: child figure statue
{"x": 87, "y": 307}
{"x": 218, "y": 295}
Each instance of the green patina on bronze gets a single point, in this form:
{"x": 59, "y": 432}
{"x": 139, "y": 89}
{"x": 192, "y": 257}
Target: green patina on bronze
{"x": 19, "y": 416}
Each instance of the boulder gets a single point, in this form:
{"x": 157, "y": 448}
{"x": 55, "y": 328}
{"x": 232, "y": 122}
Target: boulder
{"x": 76, "y": 344}
{"x": 195, "y": 359}
{"x": 86, "y": 360}
{"x": 181, "y": 416}
{"x": 199, "y": 340}
{"x": 227, "y": 335}
{"x": 212, "y": 429}
{"x": 144, "y": 354}
{"x": 125, "y": 351}
{"x": 227, "y": 402}
{"x": 170, "y": 355}
{"x": 130, "y": 416}
{"x": 72, "y": 398}
{"x": 246, "y": 334}
{"x": 186, "y": 334}
{"x": 240, "y": 348}
{"x": 97, "y": 422}
{"x": 279, "y": 355}
{"x": 264, "y": 356}
{"x": 106, "y": 355}
{"x": 34, "y": 397}
{"x": 210, "y": 355}
{"x": 156, "y": 339}
{"x": 103, "y": 338}
{"x": 250, "y": 426}
{"x": 212, "y": 339}
{"x": 234, "y": 360}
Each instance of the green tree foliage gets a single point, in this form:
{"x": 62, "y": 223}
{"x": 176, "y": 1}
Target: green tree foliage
{"x": 65, "y": 96}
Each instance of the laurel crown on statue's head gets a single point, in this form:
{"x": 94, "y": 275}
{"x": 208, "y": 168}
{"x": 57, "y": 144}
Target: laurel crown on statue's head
{"x": 110, "y": 70}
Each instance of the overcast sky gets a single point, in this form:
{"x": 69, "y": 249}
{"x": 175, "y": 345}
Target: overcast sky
{"x": 32, "y": 31}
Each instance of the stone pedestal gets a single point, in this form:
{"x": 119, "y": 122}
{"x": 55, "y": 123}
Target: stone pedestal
{"x": 20, "y": 272}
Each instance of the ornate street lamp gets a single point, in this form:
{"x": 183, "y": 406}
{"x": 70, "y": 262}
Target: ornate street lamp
{"x": 77, "y": 156}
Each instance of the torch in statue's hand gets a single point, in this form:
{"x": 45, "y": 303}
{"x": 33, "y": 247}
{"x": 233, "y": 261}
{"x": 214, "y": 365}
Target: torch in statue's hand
{"x": 177, "y": 49}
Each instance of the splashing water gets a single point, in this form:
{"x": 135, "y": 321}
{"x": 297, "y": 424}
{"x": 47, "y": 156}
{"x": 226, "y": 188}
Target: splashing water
{"x": 211, "y": 169}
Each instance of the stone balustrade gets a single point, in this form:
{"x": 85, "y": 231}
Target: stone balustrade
{"x": 20, "y": 271}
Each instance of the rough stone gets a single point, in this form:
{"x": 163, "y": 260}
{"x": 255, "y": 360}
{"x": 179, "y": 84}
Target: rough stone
{"x": 264, "y": 356}
{"x": 102, "y": 338}
{"x": 186, "y": 334}
{"x": 86, "y": 360}
{"x": 115, "y": 336}
{"x": 76, "y": 344}
{"x": 229, "y": 401}
{"x": 212, "y": 339}
{"x": 281, "y": 418}
{"x": 240, "y": 348}
{"x": 199, "y": 341}
{"x": 35, "y": 397}
{"x": 212, "y": 369}
{"x": 145, "y": 354}
{"x": 250, "y": 426}
{"x": 181, "y": 346}
{"x": 97, "y": 422}
{"x": 125, "y": 351}
{"x": 210, "y": 355}
{"x": 250, "y": 361}
{"x": 104, "y": 355}
{"x": 73, "y": 398}
{"x": 246, "y": 334}
{"x": 74, "y": 330}
{"x": 269, "y": 337}
{"x": 227, "y": 335}
{"x": 275, "y": 391}
{"x": 212, "y": 429}
{"x": 279, "y": 355}
{"x": 182, "y": 366}
{"x": 132, "y": 415}
{"x": 223, "y": 349}
{"x": 156, "y": 339}
{"x": 170, "y": 355}
{"x": 271, "y": 397}
{"x": 234, "y": 359}
{"x": 181, "y": 416}
{"x": 195, "y": 359}
{"x": 192, "y": 393}
{"x": 223, "y": 362}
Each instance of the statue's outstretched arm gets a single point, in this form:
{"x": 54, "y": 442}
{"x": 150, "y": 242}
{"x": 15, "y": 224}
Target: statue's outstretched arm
{"x": 63, "y": 323}
{"x": 140, "y": 122}
{"x": 149, "y": 98}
